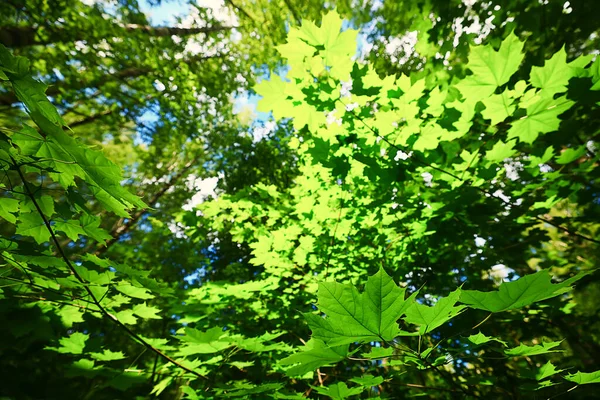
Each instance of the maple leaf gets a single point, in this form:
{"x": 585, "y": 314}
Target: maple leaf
{"x": 431, "y": 317}
{"x": 360, "y": 317}
{"x": 542, "y": 117}
{"x": 520, "y": 293}
{"x": 491, "y": 68}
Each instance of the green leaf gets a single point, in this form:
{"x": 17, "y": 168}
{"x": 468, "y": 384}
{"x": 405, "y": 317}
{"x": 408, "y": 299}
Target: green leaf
{"x": 546, "y": 371}
{"x": 245, "y": 392}
{"x": 339, "y": 391}
{"x": 480, "y": 339}
{"x": 429, "y": 137}
{"x": 190, "y": 393}
{"x": 108, "y": 355}
{"x": 84, "y": 368}
{"x": 523, "y": 350}
{"x": 339, "y": 46}
{"x": 197, "y": 336}
{"x": 146, "y": 312}
{"x": 379, "y": 352}
{"x": 161, "y": 386}
{"x": 126, "y": 317}
{"x": 71, "y": 228}
{"x": 571, "y": 154}
{"x": 583, "y": 378}
{"x": 491, "y": 68}
{"x": 429, "y": 318}
{"x": 368, "y": 380}
{"x": 314, "y": 355}
{"x": 211, "y": 341}
{"x": 360, "y": 317}
{"x": 73, "y": 344}
{"x": 135, "y": 292}
{"x": 500, "y": 151}
{"x": 520, "y": 293}
{"x": 31, "y": 224}
{"x": 542, "y": 117}
{"x": 554, "y": 76}
{"x": 273, "y": 97}
{"x": 498, "y": 107}
{"x": 91, "y": 226}
{"x": 70, "y": 315}
{"x": 241, "y": 364}
{"x": 7, "y": 208}
{"x": 595, "y": 72}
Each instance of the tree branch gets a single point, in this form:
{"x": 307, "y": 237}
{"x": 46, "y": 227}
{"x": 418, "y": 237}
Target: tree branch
{"x": 24, "y": 36}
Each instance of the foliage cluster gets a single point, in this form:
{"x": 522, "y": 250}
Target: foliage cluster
{"x": 424, "y": 213}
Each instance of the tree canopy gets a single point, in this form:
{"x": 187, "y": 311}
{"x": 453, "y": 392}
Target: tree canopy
{"x": 282, "y": 199}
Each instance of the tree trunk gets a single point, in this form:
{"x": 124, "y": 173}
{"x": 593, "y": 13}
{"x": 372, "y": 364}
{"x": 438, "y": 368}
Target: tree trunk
{"x": 7, "y": 99}
{"x": 23, "y": 36}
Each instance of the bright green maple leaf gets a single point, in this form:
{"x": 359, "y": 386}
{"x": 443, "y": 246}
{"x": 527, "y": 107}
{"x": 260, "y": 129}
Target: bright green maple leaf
{"x": 7, "y": 208}
{"x": 45, "y": 203}
{"x": 296, "y": 51}
{"x": 331, "y": 26}
{"x": 360, "y": 317}
{"x": 197, "y": 336}
{"x": 133, "y": 291}
{"x": 368, "y": 380}
{"x": 431, "y": 317}
{"x": 429, "y": 137}
{"x": 208, "y": 342}
{"x": 379, "y": 352}
{"x": 314, "y": 355}
{"x": 571, "y": 154}
{"x": 146, "y": 312}
{"x": 31, "y": 224}
{"x": 480, "y": 338}
{"x": 126, "y": 317}
{"x": 520, "y": 293}
{"x": 241, "y": 364}
{"x": 595, "y": 73}
{"x": 339, "y": 391}
{"x": 583, "y": 378}
{"x": 338, "y": 46}
{"x": 72, "y": 344}
{"x": 491, "y": 68}
{"x": 554, "y": 76}
{"x": 542, "y": 117}
{"x": 500, "y": 151}
{"x": 247, "y": 390}
{"x": 91, "y": 226}
{"x": 498, "y": 107}
{"x": 71, "y": 228}
{"x": 70, "y": 315}
{"x": 108, "y": 355}
{"x": 30, "y": 142}
{"x": 309, "y": 32}
{"x": 523, "y": 350}
{"x": 273, "y": 96}
{"x": 304, "y": 114}
{"x": 546, "y": 371}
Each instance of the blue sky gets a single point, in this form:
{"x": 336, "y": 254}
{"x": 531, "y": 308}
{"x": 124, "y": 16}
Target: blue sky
{"x": 165, "y": 13}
